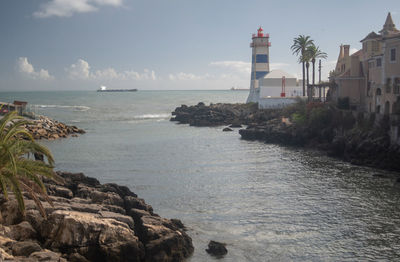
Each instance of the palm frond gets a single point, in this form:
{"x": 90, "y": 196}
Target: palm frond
{"x": 16, "y": 169}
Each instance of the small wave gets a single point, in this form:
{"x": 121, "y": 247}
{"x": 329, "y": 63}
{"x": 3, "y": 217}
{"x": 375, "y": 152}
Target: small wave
{"x": 77, "y": 108}
{"x": 153, "y": 116}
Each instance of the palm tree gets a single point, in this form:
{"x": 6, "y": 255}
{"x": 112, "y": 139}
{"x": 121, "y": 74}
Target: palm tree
{"x": 299, "y": 47}
{"x": 17, "y": 171}
{"x": 314, "y": 52}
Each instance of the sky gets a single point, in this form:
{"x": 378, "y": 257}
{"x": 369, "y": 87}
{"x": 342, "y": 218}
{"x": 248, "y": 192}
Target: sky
{"x": 169, "y": 44}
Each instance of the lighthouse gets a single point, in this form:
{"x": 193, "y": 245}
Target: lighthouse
{"x": 259, "y": 63}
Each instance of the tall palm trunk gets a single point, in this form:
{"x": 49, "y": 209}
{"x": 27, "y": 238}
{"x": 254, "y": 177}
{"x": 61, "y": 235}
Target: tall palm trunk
{"x": 313, "y": 75}
{"x": 304, "y": 83}
{"x": 308, "y": 81}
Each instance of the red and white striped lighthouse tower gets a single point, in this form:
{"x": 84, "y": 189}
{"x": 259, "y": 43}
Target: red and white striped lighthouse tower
{"x": 259, "y": 62}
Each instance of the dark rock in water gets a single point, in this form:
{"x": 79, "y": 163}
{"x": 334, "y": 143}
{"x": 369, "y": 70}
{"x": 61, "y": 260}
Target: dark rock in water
{"x": 216, "y": 249}
{"x": 235, "y": 125}
{"x": 227, "y": 129}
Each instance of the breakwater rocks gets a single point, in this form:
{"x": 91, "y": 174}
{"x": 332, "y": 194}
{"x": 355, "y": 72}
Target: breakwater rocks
{"x": 47, "y": 128}
{"x": 222, "y": 114}
{"x": 89, "y": 221}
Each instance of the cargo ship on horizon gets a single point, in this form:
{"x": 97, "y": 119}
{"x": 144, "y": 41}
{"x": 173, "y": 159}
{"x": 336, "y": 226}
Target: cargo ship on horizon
{"x": 104, "y": 89}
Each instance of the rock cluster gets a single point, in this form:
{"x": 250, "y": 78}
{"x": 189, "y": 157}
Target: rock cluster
{"x": 215, "y": 114}
{"x": 89, "y": 221}
{"x": 50, "y": 129}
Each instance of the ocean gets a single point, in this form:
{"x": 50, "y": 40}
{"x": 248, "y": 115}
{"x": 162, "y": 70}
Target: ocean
{"x": 266, "y": 202}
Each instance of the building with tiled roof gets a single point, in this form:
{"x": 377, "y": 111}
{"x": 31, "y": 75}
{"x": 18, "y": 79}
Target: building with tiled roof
{"x": 370, "y": 78}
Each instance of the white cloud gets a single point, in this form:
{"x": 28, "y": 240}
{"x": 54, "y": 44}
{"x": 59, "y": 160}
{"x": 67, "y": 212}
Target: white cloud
{"x": 243, "y": 67}
{"x": 81, "y": 70}
{"x": 67, "y": 8}
{"x": 27, "y": 68}
{"x": 186, "y": 76}
{"x": 238, "y": 66}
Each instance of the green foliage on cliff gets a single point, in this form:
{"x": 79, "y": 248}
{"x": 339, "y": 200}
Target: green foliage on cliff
{"x": 319, "y": 118}
{"x": 299, "y": 119}
{"x": 17, "y": 171}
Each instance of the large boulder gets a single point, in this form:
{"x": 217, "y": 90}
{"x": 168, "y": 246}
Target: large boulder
{"x": 98, "y": 239}
{"x": 164, "y": 240}
{"x": 25, "y": 248}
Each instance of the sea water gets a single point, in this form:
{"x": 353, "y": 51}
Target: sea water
{"x": 267, "y": 202}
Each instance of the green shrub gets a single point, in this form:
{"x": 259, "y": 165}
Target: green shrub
{"x": 299, "y": 119}
{"x": 319, "y": 118}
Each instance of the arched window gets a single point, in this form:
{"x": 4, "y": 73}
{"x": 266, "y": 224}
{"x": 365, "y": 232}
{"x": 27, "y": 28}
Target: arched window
{"x": 378, "y": 92}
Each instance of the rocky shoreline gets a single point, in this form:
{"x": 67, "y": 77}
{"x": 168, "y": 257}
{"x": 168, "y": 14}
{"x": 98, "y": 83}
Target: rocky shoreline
{"x": 221, "y": 114}
{"x": 361, "y": 139}
{"x": 47, "y": 128}
{"x": 89, "y": 221}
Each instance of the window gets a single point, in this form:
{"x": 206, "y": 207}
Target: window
{"x": 393, "y": 55}
{"x": 365, "y": 46}
{"x": 375, "y": 46}
{"x": 396, "y": 88}
{"x": 371, "y": 64}
{"x": 379, "y": 62}
{"x": 388, "y": 85}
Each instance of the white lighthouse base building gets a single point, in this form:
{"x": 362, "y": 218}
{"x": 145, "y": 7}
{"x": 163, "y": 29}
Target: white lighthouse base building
{"x": 268, "y": 93}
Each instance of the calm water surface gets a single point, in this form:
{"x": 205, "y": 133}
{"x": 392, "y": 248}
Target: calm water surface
{"x": 268, "y": 203}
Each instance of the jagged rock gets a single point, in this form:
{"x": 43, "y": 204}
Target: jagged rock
{"x": 45, "y": 127}
{"x": 109, "y": 237}
{"x": 76, "y": 257}
{"x": 163, "y": 239}
{"x": 122, "y": 218}
{"x": 4, "y": 256}
{"x": 227, "y": 129}
{"x": 48, "y": 256}
{"x": 122, "y": 191}
{"x": 138, "y": 203}
{"x": 109, "y": 198}
{"x": 59, "y": 191}
{"x": 216, "y": 249}
{"x": 86, "y": 229}
{"x": 214, "y": 114}
{"x": 22, "y": 231}
{"x": 25, "y": 248}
